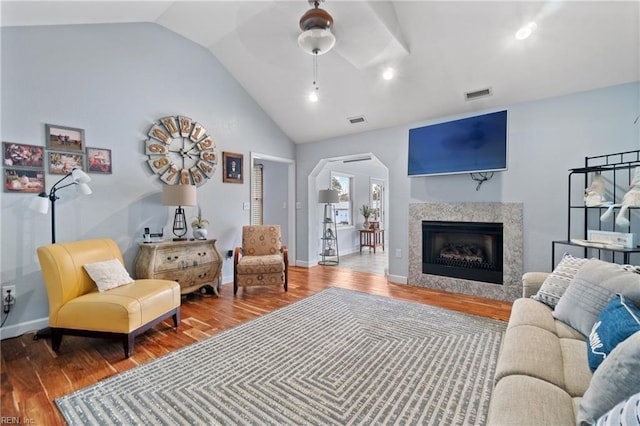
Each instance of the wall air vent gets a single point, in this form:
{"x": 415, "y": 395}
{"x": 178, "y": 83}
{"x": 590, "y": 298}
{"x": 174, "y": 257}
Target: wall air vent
{"x": 358, "y": 119}
{"x": 469, "y": 96}
{"x": 355, "y": 160}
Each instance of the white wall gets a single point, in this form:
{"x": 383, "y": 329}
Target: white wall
{"x": 115, "y": 81}
{"x": 546, "y": 138}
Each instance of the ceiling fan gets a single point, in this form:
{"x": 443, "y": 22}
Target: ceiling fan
{"x": 316, "y": 25}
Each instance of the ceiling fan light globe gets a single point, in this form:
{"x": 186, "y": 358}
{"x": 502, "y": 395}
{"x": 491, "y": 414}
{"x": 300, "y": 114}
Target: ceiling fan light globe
{"x": 316, "y": 41}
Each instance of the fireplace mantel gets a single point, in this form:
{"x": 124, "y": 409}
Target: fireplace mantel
{"x": 509, "y": 214}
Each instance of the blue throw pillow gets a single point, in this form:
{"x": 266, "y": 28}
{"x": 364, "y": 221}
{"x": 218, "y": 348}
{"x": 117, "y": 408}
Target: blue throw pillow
{"x": 617, "y": 321}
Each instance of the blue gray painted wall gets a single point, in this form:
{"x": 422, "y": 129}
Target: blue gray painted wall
{"x": 114, "y": 81}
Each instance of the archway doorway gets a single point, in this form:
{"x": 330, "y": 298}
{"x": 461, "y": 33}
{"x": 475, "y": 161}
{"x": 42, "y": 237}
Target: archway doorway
{"x": 362, "y": 180}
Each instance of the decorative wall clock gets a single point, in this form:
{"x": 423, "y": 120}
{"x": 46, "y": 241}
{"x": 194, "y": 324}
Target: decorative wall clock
{"x": 180, "y": 151}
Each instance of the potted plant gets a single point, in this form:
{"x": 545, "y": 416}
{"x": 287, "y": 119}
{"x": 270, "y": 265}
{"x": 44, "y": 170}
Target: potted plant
{"x": 199, "y": 226}
{"x": 365, "y": 211}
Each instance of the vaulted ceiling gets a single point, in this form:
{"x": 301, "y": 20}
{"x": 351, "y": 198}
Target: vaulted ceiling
{"x": 439, "y": 50}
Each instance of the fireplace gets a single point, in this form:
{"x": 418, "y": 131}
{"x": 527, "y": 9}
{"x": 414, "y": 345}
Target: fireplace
{"x": 467, "y": 250}
{"x": 510, "y": 215}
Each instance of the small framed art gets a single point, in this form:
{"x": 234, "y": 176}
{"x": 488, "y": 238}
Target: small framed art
{"x": 232, "y": 167}
{"x": 21, "y": 155}
{"x": 62, "y": 163}
{"x": 99, "y": 160}
{"x": 23, "y": 180}
{"x": 64, "y": 138}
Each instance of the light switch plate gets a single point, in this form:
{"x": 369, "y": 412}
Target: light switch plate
{"x": 246, "y": 206}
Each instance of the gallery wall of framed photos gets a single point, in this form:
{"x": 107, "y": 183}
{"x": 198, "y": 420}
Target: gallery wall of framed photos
{"x": 65, "y": 148}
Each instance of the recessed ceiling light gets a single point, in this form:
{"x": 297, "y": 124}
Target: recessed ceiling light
{"x": 313, "y": 96}
{"x": 526, "y": 31}
{"x": 388, "y": 74}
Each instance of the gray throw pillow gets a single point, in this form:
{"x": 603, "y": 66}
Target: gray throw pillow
{"x": 625, "y": 413}
{"x": 557, "y": 282}
{"x": 594, "y": 285}
{"x": 617, "y": 378}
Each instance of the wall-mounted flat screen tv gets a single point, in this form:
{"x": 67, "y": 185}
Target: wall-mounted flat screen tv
{"x": 470, "y": 145}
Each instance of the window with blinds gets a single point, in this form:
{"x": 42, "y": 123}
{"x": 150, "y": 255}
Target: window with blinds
{"x": 257, "y": 195}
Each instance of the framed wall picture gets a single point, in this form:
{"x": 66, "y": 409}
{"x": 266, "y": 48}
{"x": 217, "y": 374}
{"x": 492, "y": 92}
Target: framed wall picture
{"x": 28, "y": 181}
{"x": 232, "y": 167}
{"x": 61, "y": 163}
{"x": 99, "y": 160}
{"x": 64, "y": 138}
{"x": 21, "y": 155}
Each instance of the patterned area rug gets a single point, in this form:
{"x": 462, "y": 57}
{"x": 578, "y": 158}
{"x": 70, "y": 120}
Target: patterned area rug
{"x": 337, "y": 357}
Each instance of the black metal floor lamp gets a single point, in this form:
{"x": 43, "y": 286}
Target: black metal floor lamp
{"x": 41, "y": 205}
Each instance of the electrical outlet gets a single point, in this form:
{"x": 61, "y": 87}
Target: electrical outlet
{"x": 398, "y": 253}
{"x": 8, "y": 295}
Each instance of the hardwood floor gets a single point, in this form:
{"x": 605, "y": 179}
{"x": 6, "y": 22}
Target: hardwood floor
{"x": 32, "y": 375}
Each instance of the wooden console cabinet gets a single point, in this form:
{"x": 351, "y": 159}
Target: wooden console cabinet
{"x": 193, "y": 264}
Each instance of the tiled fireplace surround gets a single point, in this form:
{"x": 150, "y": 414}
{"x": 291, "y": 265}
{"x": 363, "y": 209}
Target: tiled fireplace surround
{"x": 509, "y": 214}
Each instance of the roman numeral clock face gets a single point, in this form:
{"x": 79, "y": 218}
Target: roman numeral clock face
{"x": 180, "y": 151}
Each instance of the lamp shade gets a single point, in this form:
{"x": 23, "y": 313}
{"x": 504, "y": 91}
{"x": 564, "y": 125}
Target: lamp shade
{"x": 80, "y": 177}
{"x": 40, "y": 203}
{"x": 83, "y": 188}
{"x": 179, "y": 195}
{"x": 328, "y": 196}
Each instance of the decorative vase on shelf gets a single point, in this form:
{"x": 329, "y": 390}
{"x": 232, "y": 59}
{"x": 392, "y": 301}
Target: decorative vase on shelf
{"x": 200, "y": 233}
{"x": 198, "y": 225}
{"x": 365, "y": 211}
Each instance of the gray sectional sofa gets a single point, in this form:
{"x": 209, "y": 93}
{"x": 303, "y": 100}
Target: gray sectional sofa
{"x": 543, "y": 376}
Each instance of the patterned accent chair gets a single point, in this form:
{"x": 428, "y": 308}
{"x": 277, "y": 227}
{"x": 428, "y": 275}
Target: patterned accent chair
{"x": 262, "y": 259}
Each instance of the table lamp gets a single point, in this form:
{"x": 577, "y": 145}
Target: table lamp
{"x": 179, "y": 195}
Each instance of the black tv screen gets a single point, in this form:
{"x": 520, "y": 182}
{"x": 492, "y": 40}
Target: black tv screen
{"x": 469, "y": 145}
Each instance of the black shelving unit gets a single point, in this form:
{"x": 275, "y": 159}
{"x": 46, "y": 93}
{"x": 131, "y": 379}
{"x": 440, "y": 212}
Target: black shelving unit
{"x": 619, "y": 168}
{"x": 329, "y": 253}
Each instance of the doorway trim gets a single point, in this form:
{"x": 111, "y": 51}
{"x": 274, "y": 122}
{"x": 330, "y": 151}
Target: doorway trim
{"x": 291, "y": 193}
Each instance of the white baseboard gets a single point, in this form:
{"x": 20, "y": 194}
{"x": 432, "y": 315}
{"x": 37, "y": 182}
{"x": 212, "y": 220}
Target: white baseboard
{"x": 305, "y": 264}
{"x": 22, "y": 328}
{"x": 397, "y": 279}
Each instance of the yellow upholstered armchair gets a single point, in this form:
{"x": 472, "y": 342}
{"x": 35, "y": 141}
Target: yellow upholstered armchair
{"x": 113, "y": 305}
{"x": 262, "y": 259}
